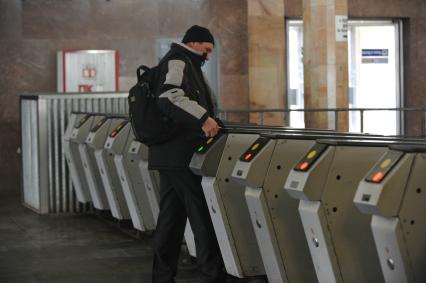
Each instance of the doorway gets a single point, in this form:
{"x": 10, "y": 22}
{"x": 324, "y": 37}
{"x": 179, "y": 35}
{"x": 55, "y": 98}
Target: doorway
{"x": 374, "y": 74}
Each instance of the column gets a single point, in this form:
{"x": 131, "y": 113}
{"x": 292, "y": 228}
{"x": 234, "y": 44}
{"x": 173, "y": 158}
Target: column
{"x": 266, "y": 47}
{"x": 326, "y": 61}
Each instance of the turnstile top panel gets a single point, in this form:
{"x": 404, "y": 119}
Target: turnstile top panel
{"x": 254, "y": 149}
{"x": 98, "y": 133}
{"x": 99, "y": 124}
{"x": 414, "y": 148}
{"x": 117, "y": 129}
{"x": 231, "y": 127}
{"x": 209, "y": 142}
{"x": 81, "y": 128}
{"x": 309, "y": 159}
{"x": 118, "y": 136}
{"x": 108, "y": 115}
{"x": 383, "y": 166}
{"x": 363, "y": 142}
{"x": 81, "y": 121}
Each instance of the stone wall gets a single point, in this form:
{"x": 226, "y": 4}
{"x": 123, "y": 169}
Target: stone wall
{"x": 32, "y": 31}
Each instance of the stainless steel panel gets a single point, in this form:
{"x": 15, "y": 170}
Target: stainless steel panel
{"x": 43, "y": 158}
{"x": 30, "y": 154}
{"x": 388, "y": 237}
{"x": 319, "y": 241}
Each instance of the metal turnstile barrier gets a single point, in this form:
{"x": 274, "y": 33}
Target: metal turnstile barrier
{"x": 263, "y": 169}
{"x": 95, "y": 141}
{"x": 75, "y": 135}
{"x": 393, "y": 192}
{"x": 146, "y": 188}
{"x": 338, "y": 235}
{"x": 114, "y": 144}
{"x": 141, "y": 198}
{"x": 225, "y": 198}
{"x": 215, "y": 161}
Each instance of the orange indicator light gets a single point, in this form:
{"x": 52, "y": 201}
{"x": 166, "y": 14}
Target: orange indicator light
{"x": 304, "y": 165}
{"x": 378, "y": 177}
{"x": 209, "y": 140}
{"x": 248, "y": 155}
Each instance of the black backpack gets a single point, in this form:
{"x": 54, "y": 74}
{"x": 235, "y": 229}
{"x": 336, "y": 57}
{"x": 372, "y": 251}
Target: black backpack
{"x": 149, "y": 125}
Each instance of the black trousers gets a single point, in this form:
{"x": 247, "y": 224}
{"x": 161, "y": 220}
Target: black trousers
{"x": 181, "y": 196}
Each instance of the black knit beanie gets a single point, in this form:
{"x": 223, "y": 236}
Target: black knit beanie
{"x": 198, "y": 34}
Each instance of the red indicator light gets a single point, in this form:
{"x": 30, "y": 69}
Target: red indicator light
{"x": 303, "y": 166}
{"x": 248, "y": 155}
{"x": 113, "y": 134}
{"x": 378, "y": 177}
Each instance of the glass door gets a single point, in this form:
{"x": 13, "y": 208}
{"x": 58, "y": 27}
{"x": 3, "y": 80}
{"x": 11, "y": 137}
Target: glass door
{"x": 295, "y": 73}
{"x": 374, "y": 77}
{"x": 374, "y": 74}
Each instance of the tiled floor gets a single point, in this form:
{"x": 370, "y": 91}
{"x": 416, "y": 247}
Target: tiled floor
{"x": 75, "y": 248}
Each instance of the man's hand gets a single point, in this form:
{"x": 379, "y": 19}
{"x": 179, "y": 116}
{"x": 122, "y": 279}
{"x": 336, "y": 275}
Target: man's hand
{"x": 210, "y": 127}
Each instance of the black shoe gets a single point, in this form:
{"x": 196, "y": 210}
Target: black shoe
{"x": 188, "y": 263}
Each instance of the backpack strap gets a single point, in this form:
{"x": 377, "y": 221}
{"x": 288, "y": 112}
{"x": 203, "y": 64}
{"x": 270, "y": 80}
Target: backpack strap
{"x": 187, "y": 60}
{"x": 191, "y": 65}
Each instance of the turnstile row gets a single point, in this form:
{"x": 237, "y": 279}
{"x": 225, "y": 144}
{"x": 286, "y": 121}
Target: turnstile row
{"x": 284, "y": 206}
{"x": 306, "y": 232}
{"x": 109, "y": 168}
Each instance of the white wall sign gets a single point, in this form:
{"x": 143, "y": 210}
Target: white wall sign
{"x": 87, "y": 71}
{"x": 341, "y": 28}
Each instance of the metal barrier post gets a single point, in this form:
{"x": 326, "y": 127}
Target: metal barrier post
{"x": 309, "y": 114}
{"x": 336, "y": 120}
{"x": 286, "y": 118}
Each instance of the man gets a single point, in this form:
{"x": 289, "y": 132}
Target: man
{"x": 185, "y": 98}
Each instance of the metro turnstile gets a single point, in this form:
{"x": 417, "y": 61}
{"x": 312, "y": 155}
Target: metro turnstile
{"x": 137, "y": 159}
{"x": 77, "y": 130}
{"x": 263, "y": 169}
{"x": 141, "y": 197}
{"x": 215, "y": 161}
{"x": 394, "y": 193}
{"x": 114, "y": 144}
{"x": 141, "y": 188}
{"x": 338, "y": 235}
{"x": 95, "y": 140}
{"x": 225, "y": 198}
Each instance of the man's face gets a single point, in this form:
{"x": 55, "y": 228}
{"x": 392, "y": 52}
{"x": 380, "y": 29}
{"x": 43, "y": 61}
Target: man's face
{"x": 204, "y": 47}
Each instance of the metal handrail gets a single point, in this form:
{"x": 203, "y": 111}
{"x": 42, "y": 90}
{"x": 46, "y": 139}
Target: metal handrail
{"x": 224, "y": 113}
